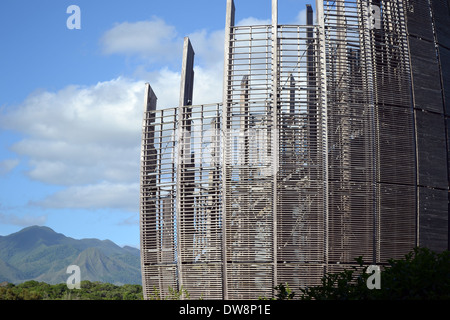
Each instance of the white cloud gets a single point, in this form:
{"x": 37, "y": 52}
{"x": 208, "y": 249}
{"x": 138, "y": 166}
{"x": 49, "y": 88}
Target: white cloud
{"x": 8, "y": 165}
{"x": 153, "y": 38}
{"x": 208, "y": 47}
{"x": 251, "y": 21}
{"x": 96, "y": 196}
{"x": 208, "y": 85}
{"x": 166, "y": 85}
{"x": 62, "y": 163}
{"x": 208, "y": 79}
{"x": 139, "y": 38}
{"x": 103, "y": 113}
{"x": 86, "y": 139}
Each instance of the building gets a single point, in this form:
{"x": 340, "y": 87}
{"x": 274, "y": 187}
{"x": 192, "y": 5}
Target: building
{"x": 331, "y": 142}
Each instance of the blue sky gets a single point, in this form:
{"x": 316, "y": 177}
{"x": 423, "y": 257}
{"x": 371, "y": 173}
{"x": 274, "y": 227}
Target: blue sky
{"x": 71, "y": 102}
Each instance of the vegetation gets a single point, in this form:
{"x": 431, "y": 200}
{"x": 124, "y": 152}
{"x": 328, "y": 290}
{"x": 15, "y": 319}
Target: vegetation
{"x": 173, "y": 294}
{"x": 33, "y": 290}
{"x": 422, "y": 274}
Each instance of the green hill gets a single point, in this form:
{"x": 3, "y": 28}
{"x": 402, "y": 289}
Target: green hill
{"x": 41, "y": 254}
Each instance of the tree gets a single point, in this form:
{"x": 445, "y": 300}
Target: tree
{"x": 33, "y": 290}
{"x": 349, "y": 284}
{"x": 422, "y": 274}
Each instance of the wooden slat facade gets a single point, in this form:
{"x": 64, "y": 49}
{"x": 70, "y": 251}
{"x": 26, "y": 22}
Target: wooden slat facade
{"x": 331, "y": 143}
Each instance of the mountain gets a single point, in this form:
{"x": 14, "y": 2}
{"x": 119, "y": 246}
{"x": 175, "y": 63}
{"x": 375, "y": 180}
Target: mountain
{"x": 41, "y": 254}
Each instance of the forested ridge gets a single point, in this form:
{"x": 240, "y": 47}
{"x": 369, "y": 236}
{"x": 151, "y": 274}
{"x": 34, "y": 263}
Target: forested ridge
{"x": 41, "y": 254}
